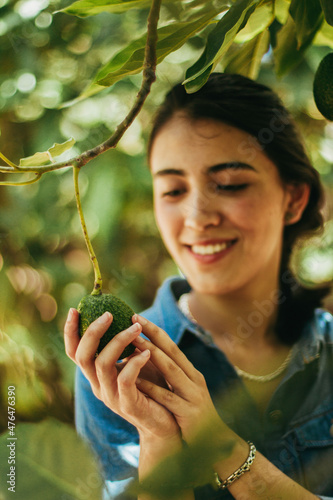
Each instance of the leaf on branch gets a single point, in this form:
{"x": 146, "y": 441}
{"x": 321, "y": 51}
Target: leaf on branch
{"x": 246, "y": 59}
{"x": 219, "y": 40}
{"x": 59, "y": 149}
{"x": 45, "y": 157}
{"x": 308, "y": 17}
{"x": 324, "y": 36}
{"x": 281, "y": 10}
{"x": 287, "y": 54}
{"x": 327, "y": 6}
{"x": 85, "y": 8}
{"x": 129, "y": 61}
{"x": 262, "y": 18}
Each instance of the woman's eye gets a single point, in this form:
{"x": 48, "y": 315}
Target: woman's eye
{"x": 231, "y": 187}
{"x": 173, "y": 193}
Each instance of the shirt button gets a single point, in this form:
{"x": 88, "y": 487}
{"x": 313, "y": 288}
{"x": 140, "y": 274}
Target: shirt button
{"x": 275, "y": 416}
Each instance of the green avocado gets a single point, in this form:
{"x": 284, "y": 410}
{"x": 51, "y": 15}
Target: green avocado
{"x": 92, "y": 307}
{"x": 323, "y": 87}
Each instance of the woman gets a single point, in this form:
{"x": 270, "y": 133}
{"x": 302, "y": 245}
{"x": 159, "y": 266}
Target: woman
{"x": 233, "y": 191}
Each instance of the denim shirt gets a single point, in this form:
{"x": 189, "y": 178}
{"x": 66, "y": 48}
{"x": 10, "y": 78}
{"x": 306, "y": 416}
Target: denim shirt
{"x": 295, "y": 433}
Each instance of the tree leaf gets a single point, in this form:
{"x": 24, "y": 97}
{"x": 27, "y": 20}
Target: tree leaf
{"x": 281, "y": 10}
{"x": 246, "y": 59}
{"x": 44, "y": 157}
{"x": 59, "y": 149}
{"x": 84, "y": 8}
{"x": 287, "y": 54}
{"x": 129, "y": 61}
{"x": 51, "y": 462}
{"x": 219, "y": 40}
{"x": 307, "y": 15}
{"x": 327, "y": 6}
{"x": 36, "y": 160}
{"x": 324, "y": 36}
{"x": 260, "y": 19}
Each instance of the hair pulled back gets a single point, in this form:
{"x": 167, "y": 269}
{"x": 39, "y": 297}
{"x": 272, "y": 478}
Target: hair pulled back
{"x": 256, "y": 109}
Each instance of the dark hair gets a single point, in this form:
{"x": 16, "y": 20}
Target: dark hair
{"x": 256, "y": 109}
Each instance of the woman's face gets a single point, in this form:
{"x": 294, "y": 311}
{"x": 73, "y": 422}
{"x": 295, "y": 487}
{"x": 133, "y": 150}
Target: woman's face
{"x": 220, "y": 210}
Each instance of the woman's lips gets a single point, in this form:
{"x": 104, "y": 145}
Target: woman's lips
{"x": 211, "y": 251}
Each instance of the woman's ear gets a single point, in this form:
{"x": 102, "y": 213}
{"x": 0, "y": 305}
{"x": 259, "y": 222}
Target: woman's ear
{"x": 298, "y": 197}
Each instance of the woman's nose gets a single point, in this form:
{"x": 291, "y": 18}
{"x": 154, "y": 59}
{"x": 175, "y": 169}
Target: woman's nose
{"x": 200, "y": 213}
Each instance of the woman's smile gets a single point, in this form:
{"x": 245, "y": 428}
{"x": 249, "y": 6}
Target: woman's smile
{"x": 210, "y": 251}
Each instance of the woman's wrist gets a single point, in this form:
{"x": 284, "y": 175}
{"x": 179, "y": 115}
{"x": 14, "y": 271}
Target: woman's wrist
{"x": 152, "y": 442}
{"x": 154, "y": 449}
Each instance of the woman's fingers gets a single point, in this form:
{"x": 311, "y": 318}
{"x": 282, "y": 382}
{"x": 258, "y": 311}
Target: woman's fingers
{"x": 169, "y": 368}
{"x": 171, "y": 401}
{"x": 86, "y": 351}
{"x": 127, "y": 379}
{"x": 162, "y": 340}
{"x": 105, "y": 363}
{"x": 71, "y": 335}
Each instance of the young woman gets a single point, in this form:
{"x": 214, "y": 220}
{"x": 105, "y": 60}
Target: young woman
{"x": 237, "y": 351}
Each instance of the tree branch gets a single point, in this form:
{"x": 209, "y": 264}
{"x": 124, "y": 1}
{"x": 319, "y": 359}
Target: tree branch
{"x": 149, "y": 77}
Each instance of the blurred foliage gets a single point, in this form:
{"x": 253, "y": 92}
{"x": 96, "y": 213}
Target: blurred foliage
{"x": 48, "y": 61}
{"x": 54, "y": 463}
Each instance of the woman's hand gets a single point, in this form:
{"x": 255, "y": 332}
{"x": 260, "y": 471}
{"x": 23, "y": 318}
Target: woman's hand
{"x": 189, "y": 400}
{"x": 114, "y": 383}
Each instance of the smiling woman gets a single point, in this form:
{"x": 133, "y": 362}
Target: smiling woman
{"x": 236, "y": 349}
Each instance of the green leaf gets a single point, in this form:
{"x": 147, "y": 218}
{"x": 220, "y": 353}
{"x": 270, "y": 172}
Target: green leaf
{"x": 327, "y": 6}
{"x": 219, "y": 40}
{"x": 35, "y": 160}
{"x": 84, "y": 8}
{"x": 281, "y": 10}
{"x": 246, "y": 59}
{"x": 59, "y": 149}
{"x": 287, "y": 53}
{"x": 51, "y": 462}
{"x": 129, "y": 61}
{"x": 324, "y": 36}
{"x": 189, "y": 468}
{"x": 42, "y": 158}
{"x": 307, "y": 15}
{"x": 261, "y": 18}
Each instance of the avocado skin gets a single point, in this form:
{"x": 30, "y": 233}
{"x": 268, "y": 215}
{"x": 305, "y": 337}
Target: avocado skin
{"x": 92, "y": 307}
{"x": 323, "y": 87}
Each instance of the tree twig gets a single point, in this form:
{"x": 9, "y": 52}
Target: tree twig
{"x": 149, "y": 77}
{"x": 97, "y": 290}
{"x": 22, "y": 183}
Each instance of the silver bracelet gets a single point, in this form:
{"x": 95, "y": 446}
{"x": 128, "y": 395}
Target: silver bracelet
{"x": 223, "y": 484}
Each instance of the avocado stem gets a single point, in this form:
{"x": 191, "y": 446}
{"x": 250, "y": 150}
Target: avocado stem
{"x": 97, "y": 290}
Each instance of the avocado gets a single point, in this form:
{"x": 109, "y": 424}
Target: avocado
{"x": 323, "y": 87}
{"x": 92, "y": 307}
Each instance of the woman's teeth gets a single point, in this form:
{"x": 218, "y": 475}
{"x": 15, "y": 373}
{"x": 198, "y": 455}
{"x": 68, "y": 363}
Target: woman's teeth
{"x": 210, "y": 249}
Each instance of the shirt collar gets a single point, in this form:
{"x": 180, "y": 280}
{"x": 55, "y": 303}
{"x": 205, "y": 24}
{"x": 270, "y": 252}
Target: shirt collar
{"x": 166, "y": 313}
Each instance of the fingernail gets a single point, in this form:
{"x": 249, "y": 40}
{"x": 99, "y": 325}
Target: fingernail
{"x": 146, "y": 353}
{"x": 134, "y": 328}
{"x": 105, "y": 317}
{"x": 70, "y": 314}
{"x": 140, "y": 319}
{"x": 138, "y": 381}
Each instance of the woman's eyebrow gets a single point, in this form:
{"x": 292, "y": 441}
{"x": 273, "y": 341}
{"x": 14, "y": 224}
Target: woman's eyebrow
{"x": 232, "y": 165}
{"x": 169, "y": 171}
